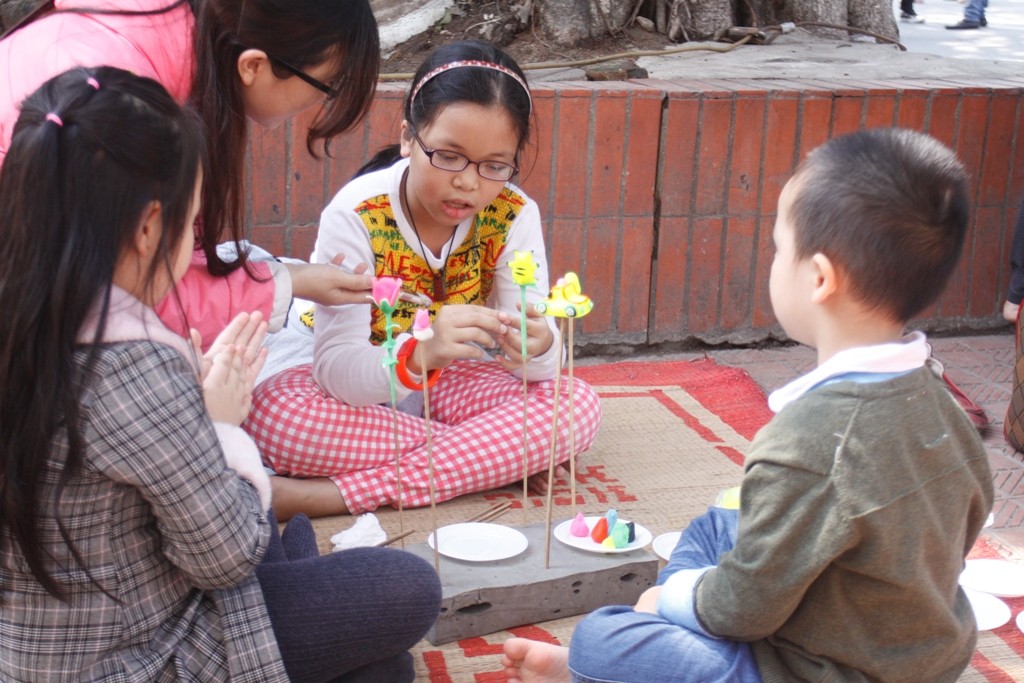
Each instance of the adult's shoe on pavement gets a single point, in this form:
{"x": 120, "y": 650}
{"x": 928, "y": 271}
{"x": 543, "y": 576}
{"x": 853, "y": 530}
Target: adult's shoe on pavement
{"x": 965, "y": 24}
{"x": 908, "y": 18}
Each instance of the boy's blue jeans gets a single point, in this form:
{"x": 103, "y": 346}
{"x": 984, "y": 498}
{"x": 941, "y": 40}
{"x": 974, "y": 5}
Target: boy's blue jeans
{"x": 622, "y": 645}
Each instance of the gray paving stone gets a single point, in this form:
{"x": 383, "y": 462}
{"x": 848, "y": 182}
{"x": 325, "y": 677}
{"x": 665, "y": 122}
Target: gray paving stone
{"x": 484, "y": 597}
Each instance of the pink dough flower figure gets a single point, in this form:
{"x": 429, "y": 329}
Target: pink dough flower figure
{"x": 385, "y": 292}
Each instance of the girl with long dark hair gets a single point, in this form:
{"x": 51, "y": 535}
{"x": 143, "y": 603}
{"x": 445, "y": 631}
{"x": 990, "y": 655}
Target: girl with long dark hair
{"x": 136, "y": 540}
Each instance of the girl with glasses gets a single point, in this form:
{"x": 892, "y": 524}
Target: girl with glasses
{"x": 235, "y": 62}
{"x": 439, "y": 211}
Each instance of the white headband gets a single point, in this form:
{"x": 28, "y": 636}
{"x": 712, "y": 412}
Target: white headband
{"x": 470, "y": 62}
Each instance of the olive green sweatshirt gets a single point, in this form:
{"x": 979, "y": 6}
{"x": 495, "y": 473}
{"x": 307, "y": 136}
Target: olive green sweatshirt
{"x": 858, "y": 506}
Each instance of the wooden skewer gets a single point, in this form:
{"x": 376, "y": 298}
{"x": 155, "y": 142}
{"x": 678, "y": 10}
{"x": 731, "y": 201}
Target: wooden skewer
{"x": 491, "y": 512}
{"x": 391, "y": 539}
{"x": 430, "y": 458}
{"x": 526, "y": 442}
{"x": 526, "y": 397}
{"x": 572, "y": 430}
{"x": 495, "y": 513}
{"x": 554, "y": 444}
{"x": 398, "y": 469}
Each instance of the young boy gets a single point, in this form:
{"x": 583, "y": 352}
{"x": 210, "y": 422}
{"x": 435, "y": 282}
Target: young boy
{"x": 863, "y": 495}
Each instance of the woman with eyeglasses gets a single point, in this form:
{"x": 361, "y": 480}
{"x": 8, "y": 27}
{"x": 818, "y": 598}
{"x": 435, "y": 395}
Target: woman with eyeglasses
{"x": 235, "y": 61}
{"x": 440, "y": 211}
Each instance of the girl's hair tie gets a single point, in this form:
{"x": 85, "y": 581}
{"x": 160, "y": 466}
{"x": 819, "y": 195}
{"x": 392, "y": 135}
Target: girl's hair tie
{"x": 93, "y": 82}
{"x": 56, "y": 119}
{"x": 471, "y": 62}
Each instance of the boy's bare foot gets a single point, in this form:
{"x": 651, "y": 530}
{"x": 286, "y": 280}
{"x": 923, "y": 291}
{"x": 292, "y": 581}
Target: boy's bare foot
{"x": 530, "y": 661}
{"x": 317, "y": 497}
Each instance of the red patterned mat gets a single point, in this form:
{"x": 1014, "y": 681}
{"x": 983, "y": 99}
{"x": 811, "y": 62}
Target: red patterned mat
{"x": 999, "y": 657}
{"x": 673, "y": 435}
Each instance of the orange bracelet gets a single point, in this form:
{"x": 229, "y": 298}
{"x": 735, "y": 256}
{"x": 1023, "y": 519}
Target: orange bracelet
{"x": 402, "y": 370}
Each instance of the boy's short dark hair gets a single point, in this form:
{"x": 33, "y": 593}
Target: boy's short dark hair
{"x": 889, "y": 207}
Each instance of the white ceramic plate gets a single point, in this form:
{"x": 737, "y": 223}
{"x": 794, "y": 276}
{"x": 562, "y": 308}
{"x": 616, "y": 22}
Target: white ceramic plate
{"x": 479, "y": 542}
{"x": 664, "y": 544}
{"x": 1020, "y": 621}
{"x": 989, "y": 611}
{"x": 561, "y": 532}
{"x": 1001, "y": 578}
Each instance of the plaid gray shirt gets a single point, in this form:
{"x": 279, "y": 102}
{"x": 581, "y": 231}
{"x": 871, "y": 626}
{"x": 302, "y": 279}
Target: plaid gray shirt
{"x": 163, "y": 525}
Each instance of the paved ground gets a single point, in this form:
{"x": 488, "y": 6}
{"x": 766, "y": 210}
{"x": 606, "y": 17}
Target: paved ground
{"x": 1001, "y": 40}
{"x": 932, "y": 51}
{"x": 980, "y": 365}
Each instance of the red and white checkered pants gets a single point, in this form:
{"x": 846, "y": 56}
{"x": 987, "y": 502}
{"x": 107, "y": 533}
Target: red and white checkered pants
{"x": 476, "y": 412}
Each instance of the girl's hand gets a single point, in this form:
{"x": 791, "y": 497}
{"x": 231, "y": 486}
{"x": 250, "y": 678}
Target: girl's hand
{"x": 328, "y": 284}
{"x": 539, "y": 338}
{"x": 459, "y": 332}
{"x": 648, "y": 601}
{"x": 1010, "y": 311}
{"x": 226, "y": 390}
{"x": 246, "y": 333}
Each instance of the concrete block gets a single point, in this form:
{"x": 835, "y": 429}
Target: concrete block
{"x": 483, "y": 597}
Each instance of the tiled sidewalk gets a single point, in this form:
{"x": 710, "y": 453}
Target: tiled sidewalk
{"x": 980, "y": 365}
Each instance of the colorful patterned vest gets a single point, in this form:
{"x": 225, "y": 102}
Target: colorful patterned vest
{"x": 469, "y": 273}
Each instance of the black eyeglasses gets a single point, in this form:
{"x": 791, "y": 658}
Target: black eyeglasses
{"x": 318, "y": 84}
{"x": 446, "y": 160}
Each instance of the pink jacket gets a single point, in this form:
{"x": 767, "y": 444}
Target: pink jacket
{"x": 158, "y": 46}
{"x": 209, "y": 303}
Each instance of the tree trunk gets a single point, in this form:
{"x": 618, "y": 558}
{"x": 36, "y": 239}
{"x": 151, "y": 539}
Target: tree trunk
{"x": 870, "y": 15}
{"x": 699, "y": 19}
{"x": 569, "y": 22}
{"x": 874, "y": 16}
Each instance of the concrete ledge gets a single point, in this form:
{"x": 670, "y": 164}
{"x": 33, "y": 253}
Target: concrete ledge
{"x": 484, "y": 597}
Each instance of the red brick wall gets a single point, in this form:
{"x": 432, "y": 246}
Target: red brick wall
{"x": 661, "y": 194}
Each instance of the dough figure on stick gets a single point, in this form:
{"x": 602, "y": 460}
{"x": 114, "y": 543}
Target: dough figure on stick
{"x": 385, "y": 293}
{"x": 566, "y": 300}
{"x": 524, "y": 274}
{"x": 422, "y": 331}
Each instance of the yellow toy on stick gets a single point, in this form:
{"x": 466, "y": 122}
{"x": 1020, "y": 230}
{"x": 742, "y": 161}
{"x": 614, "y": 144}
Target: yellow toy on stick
{"x": 566, "y": 299}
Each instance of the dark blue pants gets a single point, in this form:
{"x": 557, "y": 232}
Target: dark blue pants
{"x": 347, "y": 616}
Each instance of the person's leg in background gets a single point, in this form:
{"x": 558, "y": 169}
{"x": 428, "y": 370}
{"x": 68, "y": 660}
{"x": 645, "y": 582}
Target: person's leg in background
{"x": 908, "y": 14}
{"x": 1015, "y": 292}
{"x": 1013, "y": 424}
{"x": 974, "y": 16}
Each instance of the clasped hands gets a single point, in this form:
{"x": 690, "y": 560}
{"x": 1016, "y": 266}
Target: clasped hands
{"x": 228, "y": 370}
